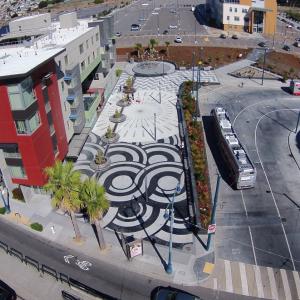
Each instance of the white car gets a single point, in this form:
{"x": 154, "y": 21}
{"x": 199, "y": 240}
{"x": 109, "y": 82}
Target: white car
{"x": 172, "y": 26}
{"x": 289, "y": 26}
{"x": 178, "y": 40}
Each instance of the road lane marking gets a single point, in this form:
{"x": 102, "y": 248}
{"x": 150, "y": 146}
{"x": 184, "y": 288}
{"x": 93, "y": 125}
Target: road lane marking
{"x": 215, "y": 284}
{"x": 268, "y": 182}
{"x": 260, "y": 289}
{"x": 271, "y": 276}
{"x": 255, "y": 260}
{"x": 244, "y": 281}
{"x": 297, "y": 282}
{"x": 228, "y": 277}
{"x": 286, "y": 286}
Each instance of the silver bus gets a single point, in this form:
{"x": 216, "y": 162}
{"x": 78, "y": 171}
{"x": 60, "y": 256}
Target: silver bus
{"x": 241, "y": 171}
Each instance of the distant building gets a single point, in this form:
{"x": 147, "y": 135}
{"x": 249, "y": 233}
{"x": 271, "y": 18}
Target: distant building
{"x": 47, "y": 102}
{"x": 244, "y": 15}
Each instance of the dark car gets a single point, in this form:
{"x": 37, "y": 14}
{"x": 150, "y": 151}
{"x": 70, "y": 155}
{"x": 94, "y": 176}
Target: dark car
{"x": 169, "y": 293}
{"x": 6, "y": 292}
{"x": 262, "y": 44}
{"x": 286, "y": 48}
{"x": 118, "y": 34}
{"x": 223, "y": 36}
{"x": 165, "y": 32}
{"x": 235, "y": 37}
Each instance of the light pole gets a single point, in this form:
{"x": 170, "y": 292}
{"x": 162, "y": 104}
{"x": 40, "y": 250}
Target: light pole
{"x": 170, "y": 216}
{"x": 263, "y": 71}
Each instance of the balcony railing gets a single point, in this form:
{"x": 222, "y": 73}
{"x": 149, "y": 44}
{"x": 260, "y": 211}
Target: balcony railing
{"x": 12, "y": 155}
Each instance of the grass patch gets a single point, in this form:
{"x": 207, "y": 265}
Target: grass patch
{"x": 2, "y": 210}
{"x": 36, "y": 226}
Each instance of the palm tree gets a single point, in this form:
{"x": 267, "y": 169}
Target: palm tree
{"x": 64, "y": 184}
{"x": 167, "y": 46}
{"x": 93, "y": 196}
{"x": 152, "y": 44}
{"x": 138, "y": 47}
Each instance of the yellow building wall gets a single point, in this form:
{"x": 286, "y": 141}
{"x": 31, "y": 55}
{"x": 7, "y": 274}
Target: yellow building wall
{"x": 270, "y": 17}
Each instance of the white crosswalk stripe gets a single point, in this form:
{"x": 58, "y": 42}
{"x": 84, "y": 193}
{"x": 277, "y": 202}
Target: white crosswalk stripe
{"x": 244, "y": 281}
{"x": 229, "y": 286}
{"x": 260, "y": 290}
{"x": 297, "y": 282}
{"x": 286, "y": 286}
{"x": 273, "y": 287}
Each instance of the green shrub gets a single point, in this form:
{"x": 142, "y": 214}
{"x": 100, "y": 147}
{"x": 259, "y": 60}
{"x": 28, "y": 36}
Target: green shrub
{"x": 2, "y": 210}
{"x": 36, "y": 226}
{"x": 17, "y": 194}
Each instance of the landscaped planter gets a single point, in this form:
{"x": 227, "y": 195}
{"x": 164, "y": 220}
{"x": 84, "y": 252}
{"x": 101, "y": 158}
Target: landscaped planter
{"x": 110, "y": 140}
{"x": 100, "y": 167}
{"x": 120, "y": 119}
{"x": 123, "y": 103}
{"x": 128, "y": 90}
{"x": 197, "y": 153}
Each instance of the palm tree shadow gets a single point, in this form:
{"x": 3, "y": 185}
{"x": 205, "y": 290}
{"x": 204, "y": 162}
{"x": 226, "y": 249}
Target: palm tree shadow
{"x": 96, "y": 233}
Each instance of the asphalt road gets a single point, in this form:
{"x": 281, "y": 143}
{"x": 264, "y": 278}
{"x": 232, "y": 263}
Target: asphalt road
{"x": 261, "y": 225}
{"x": 104, "y": 276}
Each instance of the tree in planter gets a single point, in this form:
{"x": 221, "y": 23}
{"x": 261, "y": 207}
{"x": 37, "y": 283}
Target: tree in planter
{"x": 152, "y": 44}
{"x": 99, "y": 158}
{"x": 139, "y": 48}
{"x": 129, "y": 82}
{"x": 92, "y": 194}
{"x": 109, "y": 133}
{"x": 117, "y": 114}
{"x": 64, "y": 184}
{"x": 118, "y": 72}
{"x": 167, "y": 43}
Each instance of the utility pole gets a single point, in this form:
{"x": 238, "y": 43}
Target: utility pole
{"x": 263, "y": 71}
{"x": 213, "y": 214}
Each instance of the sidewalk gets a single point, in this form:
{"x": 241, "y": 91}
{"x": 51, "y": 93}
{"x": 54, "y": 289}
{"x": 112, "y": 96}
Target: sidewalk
{"x": 191, "y": 265}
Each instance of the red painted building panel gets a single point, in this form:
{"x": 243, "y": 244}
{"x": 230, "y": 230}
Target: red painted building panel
{"x": 36, "y": 149}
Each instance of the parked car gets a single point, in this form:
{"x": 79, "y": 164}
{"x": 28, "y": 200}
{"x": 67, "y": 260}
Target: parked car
{"x": 6, "y": 292}
{"x": 286, "y": 48}
{"x": 135, "y": 27}
{"x": 173, "y": 11}
{"x": 298, "y": 27}
{"x": 178, "y": 39}
{"x": 118, "y": 34}
{"x": 165, "y": 32}
{"x": 297, "y": 44}
{"x": 223, "y": 36}
{"x": 169, "y": 293}
{"x": 172, "y": 26}
{"x": 235, "y": 37}
{"x": 262, "y": 44}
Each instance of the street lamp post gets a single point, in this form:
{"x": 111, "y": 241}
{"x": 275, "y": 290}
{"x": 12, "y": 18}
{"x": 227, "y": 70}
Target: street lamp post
{"x": 263, "y": 71}
{"x": 170, "y": 216}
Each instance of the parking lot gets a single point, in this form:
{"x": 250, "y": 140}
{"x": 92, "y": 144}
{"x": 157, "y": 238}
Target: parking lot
{"x": 259, "y": 226}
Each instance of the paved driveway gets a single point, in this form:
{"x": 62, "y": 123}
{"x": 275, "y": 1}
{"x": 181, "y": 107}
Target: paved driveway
{"x": 261, "y": 225}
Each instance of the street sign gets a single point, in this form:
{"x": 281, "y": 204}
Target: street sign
{"x": 211, "y": 228}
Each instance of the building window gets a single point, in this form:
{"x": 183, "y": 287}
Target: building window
{"x": 228, "y": 18}
{"x": 82, "y": 65}
{"x": 59, "y": 64}
{"x": 62, "y": 86}
{"x": 28, "y": 126}
{"x": 230, "y": 9}
{"x": 92, "y": 40}
{"x": 21, "y": 95}
{"x": 93, "y": 55}
{"x": 89, "y": 60}
{"x": 17, "y": 172}
{"x": 235, "y": 9}
{"x": 97, "y": 36}
{"x": 245, "y": 10}
{"x": 66, "y": 60}
{"x": 236, "y": 18}
{"x": 81, "y": 48}
{"x": 87, "y": 44}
